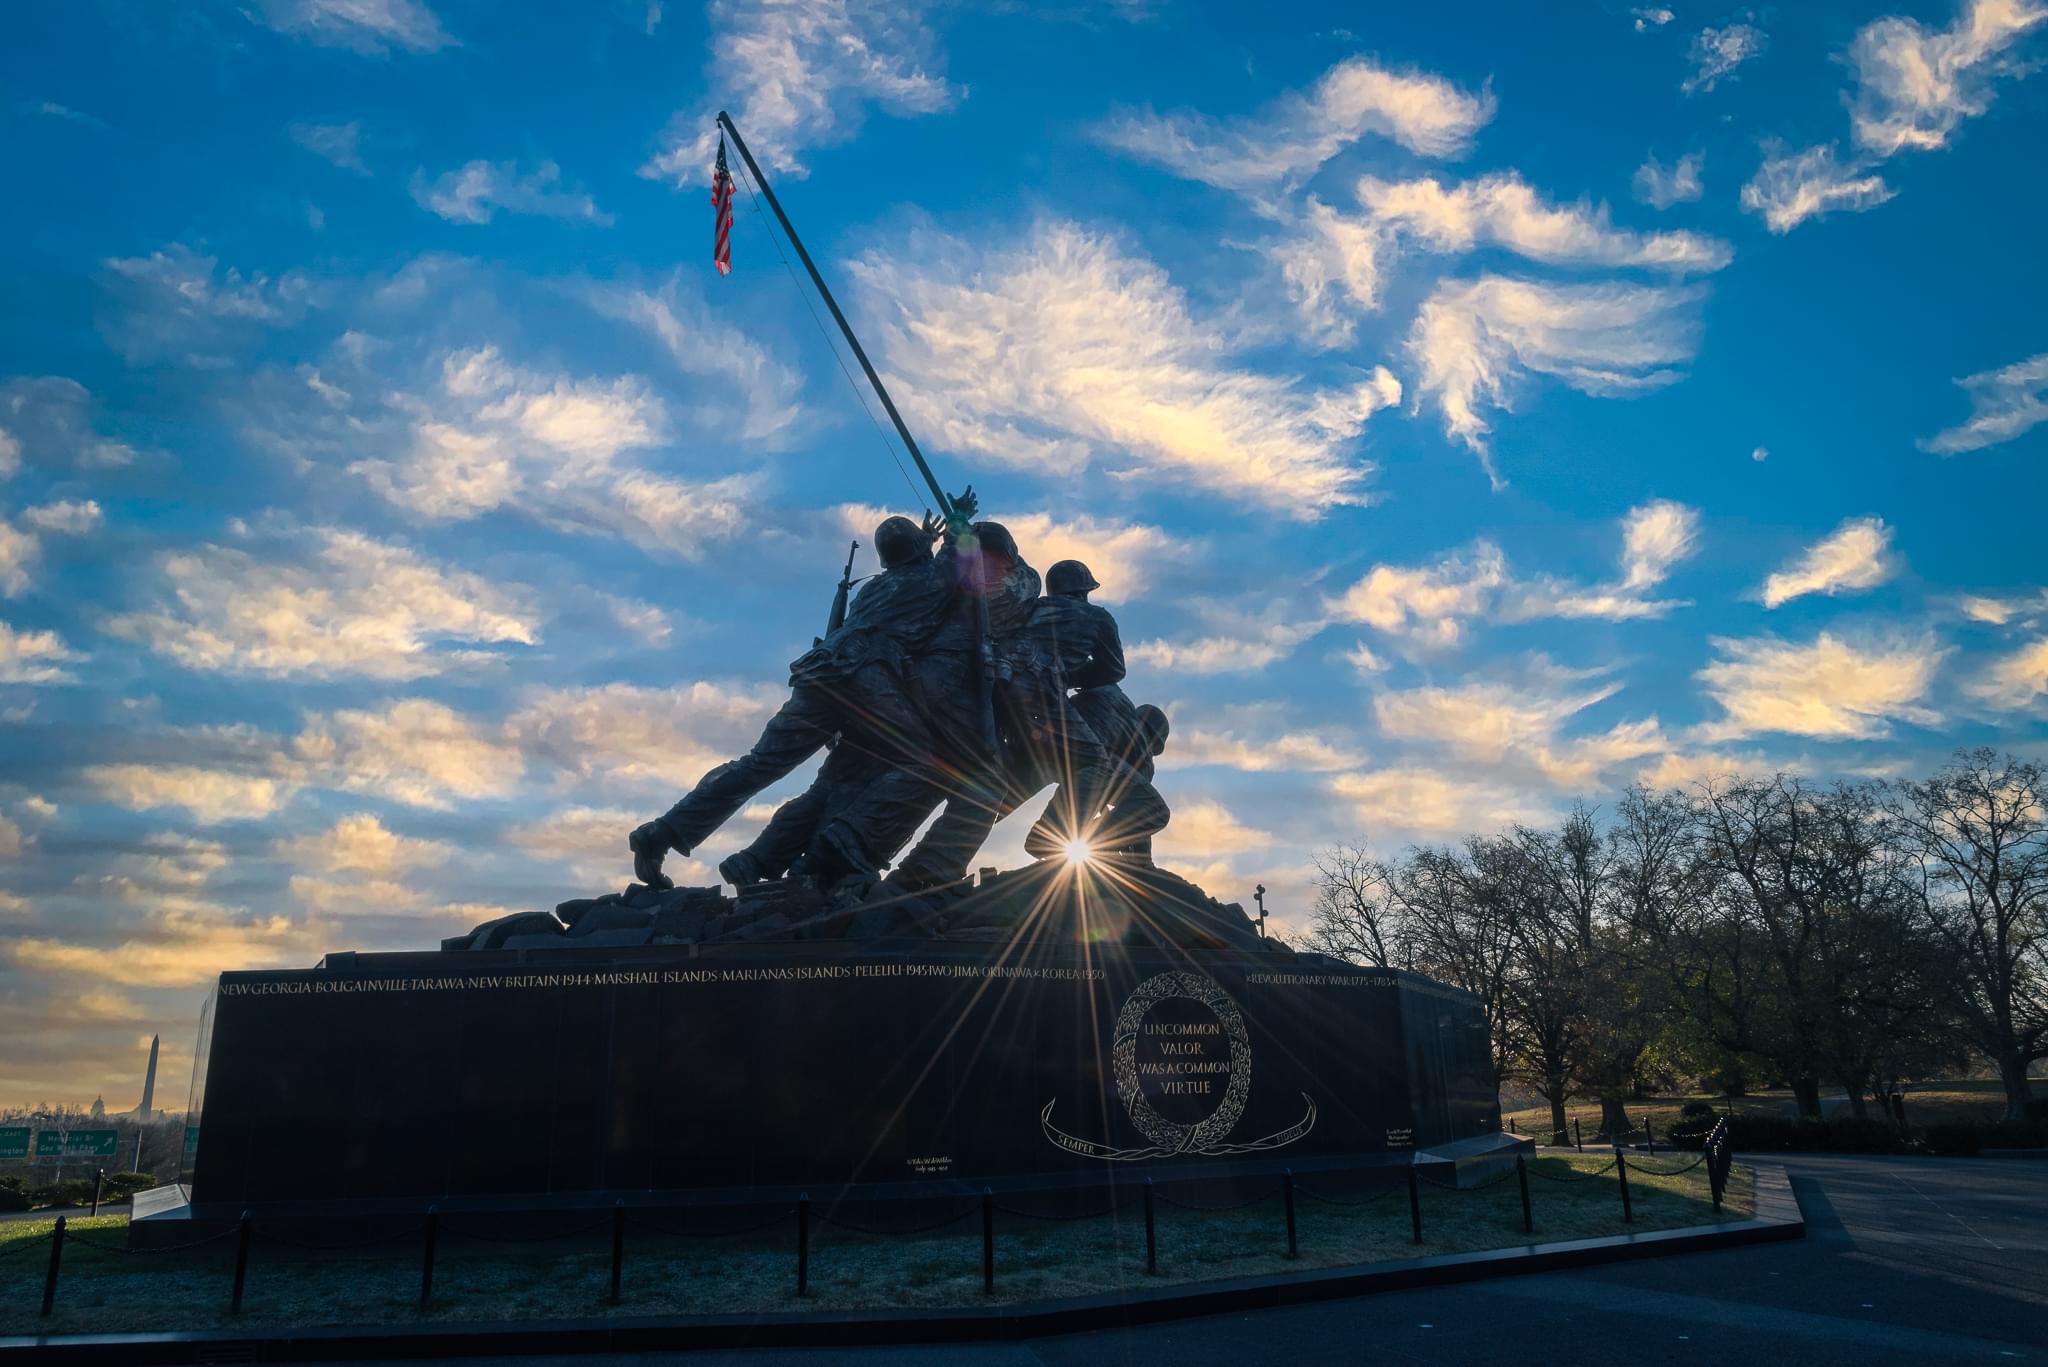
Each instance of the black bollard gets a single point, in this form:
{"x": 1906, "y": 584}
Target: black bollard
{"x": 433, "y": 1237}
{"x": 1287, "y": 1196}
{"x": 618, "y": 1246}
{"x": 803, "y": 1244}
{"x": 988, "y": 1242}
{"x": 1151, "y": 1235}
{"x": 99, "y": 1183}
{"x": 1414, "y": 1204}
{"x": 1522, "y": 1177}
{"x": 1628, "y": 1215}
{"x": 241, "y": 1264}
{"x": 56, "y": 1261}
{"x": 1578, "y": 1136}
{"x": 1650, "y": 1136}
{"x": 1511, "y": 1126}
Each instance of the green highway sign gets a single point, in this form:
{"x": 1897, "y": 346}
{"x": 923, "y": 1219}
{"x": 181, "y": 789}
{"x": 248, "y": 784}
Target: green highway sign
{"x": 14, "y": 1141}
{"x": 61, "y": 1144}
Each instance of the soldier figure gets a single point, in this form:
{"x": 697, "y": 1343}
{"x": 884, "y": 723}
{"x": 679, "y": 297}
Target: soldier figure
{"x": 850, "y": 685}
{"x": 1133, "y": 738}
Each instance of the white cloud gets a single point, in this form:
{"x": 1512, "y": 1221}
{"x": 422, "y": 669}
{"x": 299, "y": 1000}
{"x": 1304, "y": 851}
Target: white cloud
{"x": 1661, "y": 186}
{"x": 1428, "y": 605}
{"x": 588, "y": 842}
{"x": 1125, "y": 557}
{"x": 703, "y": 342}
{"x": 65, "y": 518}
{"x": 1791, "y": 187}
{"x": 1915, "y": 86}
{"x": 1257, "y": 751}
{"x": 371, "y": 27}
{"x": 1330, "y": 265}
{"x": 49, "y": 422}
{"x": 1206, "y": 829}
{"x": 340, "y": 143}
{"x": 1759, "y": 453}
{"x": 474, "y": 192}
{"x": 1651, "y": 17}
{"x": 2014, "y": 680}
{"x": 550, "y": 446}
{"x": 1504, "y": 210}
{"x": 1856, "y": 555}
{"x": 34, "y": 657}
{"x": 643, "y": 738}
{"x": 1291, "y": 137}
{"x": 1474, "y": 339}
{"x": 172, "y": 304}
{"x": 2004, "y": 404}
{"x": 1832, "y": 689}
{"x": 414, "y": 751}
{"x": 343, "y": 606}
{"x": 2002, "y": 611}
{"x": 208, "y": 795}
{"x": 1716, "y": 52}
{"x": 10, "y": 454}
{"x": 361, "y": 844}
{"x": 1240, "y": 640}
{"x": 1481, "y": 721}
{"x": 1062, "y": 349}
{"x": 1427, "y": 803}
{"x": 19, "y": 552}
{"x": 799, "y": 74}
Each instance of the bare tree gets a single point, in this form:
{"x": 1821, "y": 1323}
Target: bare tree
{"x": 1981, "y": 835}
{"x": 1354, "y": 917}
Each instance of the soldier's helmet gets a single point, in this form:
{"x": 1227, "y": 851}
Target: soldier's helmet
{"x": 1069, "y": 576}
{"x": 1152, "y": 725}
{"x": 899, "y": 541}
{"x": 995, "y": 539}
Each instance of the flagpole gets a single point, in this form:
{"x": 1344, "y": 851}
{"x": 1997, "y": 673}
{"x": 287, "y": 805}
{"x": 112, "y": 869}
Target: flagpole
{"x": 859, "y": 354}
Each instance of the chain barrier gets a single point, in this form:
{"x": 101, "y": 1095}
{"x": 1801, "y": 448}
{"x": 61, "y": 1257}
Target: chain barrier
{"x": 661, "y": 1228}
{"x": 895, "y": 1233}
{"x": 25, "y": 1245}
{"x": 1212, "y": 1210}
{"x": 1636, "y": 1166}
{"x": 72, "y": 1236}
{"x": 1577, "y": 1177}
{"x": 1315, "y": 1195}
{"x": 393, "y": 1240}
{"x": 1109, "y": 1209}
{"x": 602, "y": 1223}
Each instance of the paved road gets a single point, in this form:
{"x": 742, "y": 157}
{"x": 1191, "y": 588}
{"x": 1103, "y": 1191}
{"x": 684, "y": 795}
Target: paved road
{"x": 1906, "y": 1261}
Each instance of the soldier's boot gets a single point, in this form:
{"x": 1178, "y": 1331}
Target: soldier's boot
{"x": 742, "y": 869}
{"x": 649, "y": 843}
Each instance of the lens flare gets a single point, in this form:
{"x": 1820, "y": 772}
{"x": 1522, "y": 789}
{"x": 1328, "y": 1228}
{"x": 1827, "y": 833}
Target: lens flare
{"x": 1078, "y": 852}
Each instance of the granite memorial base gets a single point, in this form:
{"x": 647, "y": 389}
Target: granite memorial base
{"x": 574, "y": 1078}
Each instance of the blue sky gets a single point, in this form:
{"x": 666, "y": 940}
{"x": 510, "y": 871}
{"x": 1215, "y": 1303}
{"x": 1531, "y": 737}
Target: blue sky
{"x": 1469, "y": 410}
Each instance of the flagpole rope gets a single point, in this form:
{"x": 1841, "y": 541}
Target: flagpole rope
{"x": 754, "y": 200}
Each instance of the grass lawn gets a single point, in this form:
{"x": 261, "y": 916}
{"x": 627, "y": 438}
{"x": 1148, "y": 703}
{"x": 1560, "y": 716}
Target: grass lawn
{"x": 101, "y": 1290}
{"x": 1927, "y": 1103}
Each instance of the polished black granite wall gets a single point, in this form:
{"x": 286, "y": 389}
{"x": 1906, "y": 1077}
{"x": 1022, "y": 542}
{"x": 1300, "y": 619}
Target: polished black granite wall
{"x": 429, "y": 1076}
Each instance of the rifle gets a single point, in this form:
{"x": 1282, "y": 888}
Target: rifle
{"x": 837, "y": 618}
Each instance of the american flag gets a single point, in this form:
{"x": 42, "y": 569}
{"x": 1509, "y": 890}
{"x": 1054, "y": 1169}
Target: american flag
{"x": 721, "y": 201}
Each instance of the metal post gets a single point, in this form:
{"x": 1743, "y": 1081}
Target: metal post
{"x": 1414, "y": 1204}
{"x": 99, "y": 1184}
{"x": 1650, "y": 1136}
{"x": 433, "y": 1237}
{"x": 56, "y": 1261}
{"x": 1522, "y": 1179}
{"x": 1628, "y": 1214}
{"x": 618, "y": 1246}
{"x": 1578, "y": 1136}
{"x": 241, "y": 1263}
{"x": 988, "y": 1242}
{"x": 1287, "y": 1197}
{"x": 139, "y": 1129}
{"x": 1151, "y": 1235}
{"x": 803, "y": 1226}
{"x": 1511, "y": 1126}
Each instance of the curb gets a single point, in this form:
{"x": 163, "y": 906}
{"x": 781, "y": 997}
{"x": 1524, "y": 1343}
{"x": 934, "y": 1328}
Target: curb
{"x": 1777, "y": 1219}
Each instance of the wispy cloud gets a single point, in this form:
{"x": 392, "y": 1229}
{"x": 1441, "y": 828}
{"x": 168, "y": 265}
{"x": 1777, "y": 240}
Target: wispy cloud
{"x": 1503, "y": 210}
{"x": 1791, "y": 187}
{"x": 340, "y": 143}
{"x": 1290, "y": 138}
{"x": 475, "y": 192}
{"x": 2014, "y": 680}
{"x": 1474, "y": 339}
{"x": 700, "y": 341}
{"x": 1832, "y": 688}
{"x": 1661, "y": 186}
{"x": 1123, "y": 368}
{"x": 1717, "y": 52}
{"x": 1855, "y": 556}
{"x": 1915, "y": 85}
{"x": 371, "y": 27}
{"x": 34, "y": 657}
{"x": 2004, "y": 404}
{"x": 176, "y": 304}
{"x": 799, "y": 74}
